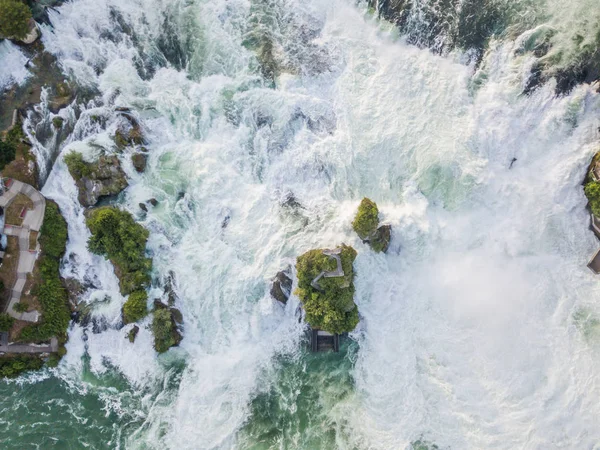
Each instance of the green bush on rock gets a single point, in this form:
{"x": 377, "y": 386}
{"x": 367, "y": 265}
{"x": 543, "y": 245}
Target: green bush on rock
{"x": 122, "y": 240}
{"x": 332, "y": 308}
{"x": 77, "y": 165}
{"x": 13, "y": 366}
{"x": 366, "y": 220}
{"x": 135, "y": 307}
{"x": 592, "y": 192}
{"x": 14, "y": 18}
{"x": 164, "y": 330}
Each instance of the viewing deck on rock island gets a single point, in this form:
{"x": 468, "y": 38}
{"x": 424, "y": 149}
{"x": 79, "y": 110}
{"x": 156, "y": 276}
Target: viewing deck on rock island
{"x": 322, "y": 341}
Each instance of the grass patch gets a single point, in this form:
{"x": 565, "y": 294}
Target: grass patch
{"x": 8, "y": 269}
{"x": 332, "y": 309}
{"x": 122, "y": 240}
{"x": 13, "y": 212}
{"x": 50, "y": 292}
{"x": 33, "y": 236}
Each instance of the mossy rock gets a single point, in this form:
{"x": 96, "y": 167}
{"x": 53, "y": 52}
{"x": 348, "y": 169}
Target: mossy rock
{"x": 367, "y": 218}
{"x": 57, "y": 122}
{"x": 165, "y": 330}
{"x": 133, "y": 333}
{"x": 331, "y": 307}
{"x": 139, "y": 161}
{"x": 380, "y": 241}
{"x": 281, "y": 286}
{"x": 135, "y": 308}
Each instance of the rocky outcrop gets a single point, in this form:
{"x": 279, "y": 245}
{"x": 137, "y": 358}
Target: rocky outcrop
{"x": 102, "y": 178}
{"x": 366, "y": 225}
{"x": 281, "y": 287}
{"x": 380, "y": 241}
{"x": 129, "y": 132}
{"x": 139, "y": 161}
{"x": 133, "y": 333}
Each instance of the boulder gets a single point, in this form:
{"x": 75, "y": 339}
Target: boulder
{"x": 143, "y": 207}
{"x": 380, "y": 241}
{"x": 105, "y": 177}
{"x": 139, "y": 161}
{"x": 282, "y": 286}
{"x": 153, "y": 201}
{"x": 133, "y": 333}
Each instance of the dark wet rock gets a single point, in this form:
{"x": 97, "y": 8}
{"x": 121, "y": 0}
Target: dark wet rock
{"x": 180, "y": 195}
{"x": 380, "y": 241}
{"x": 133, "y": 333}
{"x": 177, "y": 316}
{"x": 153, "y": 202}
{"x": 281, "y": 287}
{"x": 129, "y": 133}
{"x": 170, "y": 288}
{"x": 139, "y": 161}
{"x": 74, "y": 290}
{"x": 225, "y": 221}
{"x": 143, "y": 207}
{"x": 102, "y": 178}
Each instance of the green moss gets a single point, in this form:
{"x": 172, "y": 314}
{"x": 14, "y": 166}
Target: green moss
{"x": 135, "y": 307}
{"x": 51, "y": 293}
{"x": 381, "y": 239}
{"x": 367, "y": 218}
{"x": 13, "y": 366}
{"x": 14, "y": 18}
{"x": 6, "y": 322}
{"x": 592, "y": 192}
{"x": 164, "y": 330}
{"x": 332, "y": 309}
{"x": 57, "y": 122}
{"x": 77, "y": 166}
{"x": 122, "y": 240}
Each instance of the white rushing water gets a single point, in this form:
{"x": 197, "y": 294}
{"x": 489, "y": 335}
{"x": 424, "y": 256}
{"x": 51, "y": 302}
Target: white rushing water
{"x": 479, "y": 327}
{"x": 12, "y": 69}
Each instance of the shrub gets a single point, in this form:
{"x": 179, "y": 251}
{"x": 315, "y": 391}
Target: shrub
{"x": 122, "y": 240}
{"x": 14, "y": 18}
{"x": 332, "y": 309}
{"x": 51, "y": 293}
{"x": 6, "y": 322}
{"x": 12, "y": 366}
{"x": 8, "y": 152}
{"x": 21, "y": 307}
{"x": 165, "y": 333}
{"x": 592, "y": 192}
{"x": 77, "y": 166}
{"x": 367, "y": 218}
{"x": 135, "y": 307}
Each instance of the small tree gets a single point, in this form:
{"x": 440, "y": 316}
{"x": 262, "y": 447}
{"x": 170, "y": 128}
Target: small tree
{"x": 367, "y": 218}
{"x": 6, "y": 322}
{"x": 164, "y": 330}
{"x": 14, "y": 18}
{"x": 135, "y": 307}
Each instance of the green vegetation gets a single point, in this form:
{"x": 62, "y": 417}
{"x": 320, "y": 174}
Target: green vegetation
{"x": 164, "y": 329}
{"x": 367, "y": 218}
{"x": 77, "y": 166}
{"x": 135, "y": 307}
{"x": 8, "y": 146}
{"x": 50, "y": 292}
{"x": 332, "y": 309}
{"x": 57, "y": 122}
{"x": 14, "y": 18}
{"x": 21, "y": 307}
{"x": 6, "y": 322}
{"x": 13, "y": 366}
{"x": 592, "y": 192}
{"x": 118, "y": 237}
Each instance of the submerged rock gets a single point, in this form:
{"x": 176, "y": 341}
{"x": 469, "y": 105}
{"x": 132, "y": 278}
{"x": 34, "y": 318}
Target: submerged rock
{"x": 281, "y": 287}
{"x": 153, "y": 201}
{"x": 139, "y": 161}
{"x": 133, "y": 333}
{"x": 143, "y": 207}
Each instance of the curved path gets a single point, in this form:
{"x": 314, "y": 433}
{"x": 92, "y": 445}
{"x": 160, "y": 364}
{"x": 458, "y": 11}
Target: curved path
{"x": 31, "y": 222}
{"x": 338, "y": 272}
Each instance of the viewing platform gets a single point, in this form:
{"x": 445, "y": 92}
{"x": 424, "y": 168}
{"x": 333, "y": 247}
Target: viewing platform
{"x": 322, "y": 341}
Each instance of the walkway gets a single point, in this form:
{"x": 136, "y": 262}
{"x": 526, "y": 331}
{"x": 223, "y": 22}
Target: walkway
{"x": 6, "y": 347}
{"x": 31, "y": 222}
{"x": 338, "y": 272}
